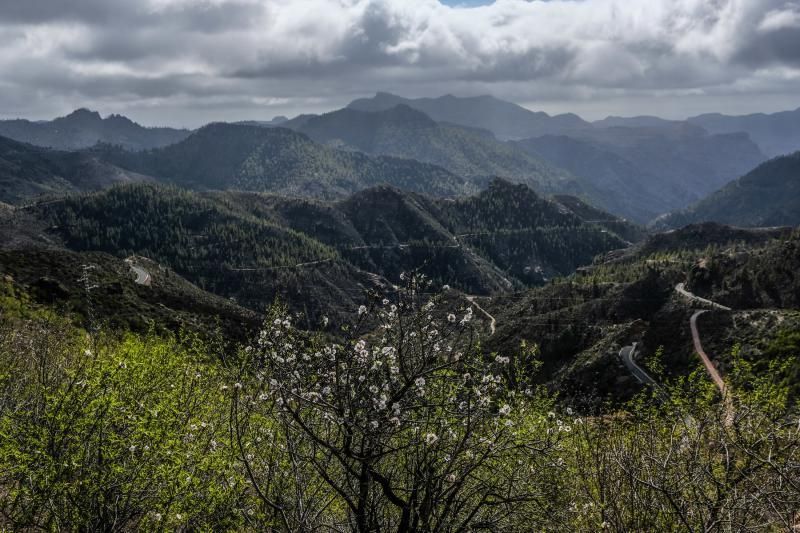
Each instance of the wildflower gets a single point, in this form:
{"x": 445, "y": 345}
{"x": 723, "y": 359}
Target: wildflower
{"x": 385, "y": 301}
{"x": 419, "y": 382}
{"x": 362, "y": 309}
{"x": 374, "y": 424}
{"x": 431, "y": 438}
{"x": 569, "y": 410}
{"x": 445, "y": 287}
{"x": 451, "y": 478}
{"x": 374, "y": 389}
{"x": 551, "y": 414}
{"x": 505, "y": 410}
{"x": 451, "y": 317}
{"x": 157, "y": 517}
{"x": 324, "y": 321}
{"x": 237, "y": 385}
{"x": 501, "y": 360}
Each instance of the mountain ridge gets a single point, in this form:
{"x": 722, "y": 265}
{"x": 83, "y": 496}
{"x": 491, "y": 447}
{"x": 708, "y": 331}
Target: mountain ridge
{"x": 84, "y": 128}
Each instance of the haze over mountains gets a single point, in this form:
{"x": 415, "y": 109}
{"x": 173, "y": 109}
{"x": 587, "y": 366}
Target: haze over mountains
{"x": 639, "y": 168}
{"x": 769, "y": 195}
{"x": 477, "y": 193}
{"x": 84, "y": 128}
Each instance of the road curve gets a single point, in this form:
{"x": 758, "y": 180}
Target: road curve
{"x": 492, "y": 321}
{"x": 698, "y": 347}
{"x": 626, "y": 354}
{"x": 681, "y": 289}
{"x": 142, "y": 276}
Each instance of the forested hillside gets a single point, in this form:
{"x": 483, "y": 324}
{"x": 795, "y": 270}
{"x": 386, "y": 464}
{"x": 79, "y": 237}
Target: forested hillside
{"x": 252, "y": 158}
{"x": 316, "y": 255}
{"x": 28, "y": 172}
{"x": 767, "y": 196}
{"x": 405, "y": 132}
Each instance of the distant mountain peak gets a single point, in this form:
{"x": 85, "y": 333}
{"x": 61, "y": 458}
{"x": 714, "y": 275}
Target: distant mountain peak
{"x": 83, "y": 113}
{"x": 506, "y": 120}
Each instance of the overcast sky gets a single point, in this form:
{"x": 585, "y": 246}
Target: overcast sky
{"x": 187, "y": 62}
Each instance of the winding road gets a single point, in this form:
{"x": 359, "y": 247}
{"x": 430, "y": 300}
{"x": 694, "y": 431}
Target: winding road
{"x": 626, "y": 354}
{"x": 492, "y": 321}
{"x": 681, "y": 289}
{"x": 142, "y": 276}
{"x": 698, "y": 347}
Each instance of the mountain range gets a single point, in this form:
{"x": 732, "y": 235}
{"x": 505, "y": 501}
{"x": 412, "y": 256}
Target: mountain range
{"x": 775, "y": 133}
{"x": 639, "y": 168}
{"x": 505, "y": 119}
{"x": 401, "y": 131}
{"x": 84, "y": 128}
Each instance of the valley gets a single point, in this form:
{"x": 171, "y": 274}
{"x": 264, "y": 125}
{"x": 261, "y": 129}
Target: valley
{"x": 496, "y": 298}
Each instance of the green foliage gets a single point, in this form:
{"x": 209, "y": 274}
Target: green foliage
{"x": 148, "y": 432}
{"x": 114, "y": 433}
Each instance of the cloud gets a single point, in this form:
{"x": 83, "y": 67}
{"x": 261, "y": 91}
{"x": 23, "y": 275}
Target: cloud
{"x": 195, "y": 57}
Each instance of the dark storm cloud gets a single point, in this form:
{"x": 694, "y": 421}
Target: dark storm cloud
{"x": 291, "y": 55}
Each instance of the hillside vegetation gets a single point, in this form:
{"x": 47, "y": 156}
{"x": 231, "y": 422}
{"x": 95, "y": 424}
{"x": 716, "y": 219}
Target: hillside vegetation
{"x": 405, "y": 132}
{"x": 321, "y": 256}
{"x": 253, "y": 158}
{"x": 769, "y": 195}
{"x": 28, "y": 172}
{"x": 401, "y": 430}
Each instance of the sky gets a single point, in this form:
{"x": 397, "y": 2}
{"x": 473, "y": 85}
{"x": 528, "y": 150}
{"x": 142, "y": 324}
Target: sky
{"x": 188, "y": 62}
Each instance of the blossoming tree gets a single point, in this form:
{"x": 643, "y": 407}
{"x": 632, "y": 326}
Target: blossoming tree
{"x": 407, "y": 422}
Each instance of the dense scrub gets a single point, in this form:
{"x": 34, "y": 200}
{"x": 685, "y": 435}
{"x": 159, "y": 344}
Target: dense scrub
{"x": 403, "y": 424}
